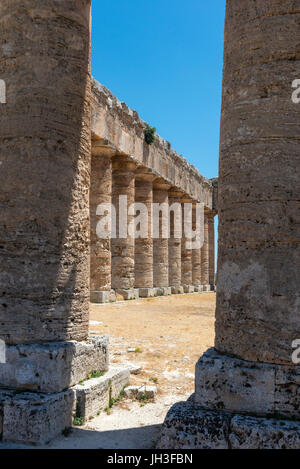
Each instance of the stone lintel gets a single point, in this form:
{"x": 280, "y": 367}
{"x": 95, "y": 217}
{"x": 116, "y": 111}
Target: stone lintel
{"x": 236, "y": 385}
{"x": 188, "y": 426}
{"x": 52, "y": 367}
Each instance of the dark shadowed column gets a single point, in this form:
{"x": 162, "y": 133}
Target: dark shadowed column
{"x": 45, "y": 169}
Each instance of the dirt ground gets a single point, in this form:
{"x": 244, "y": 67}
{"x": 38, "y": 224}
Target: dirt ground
{"x": 168, "y": 335}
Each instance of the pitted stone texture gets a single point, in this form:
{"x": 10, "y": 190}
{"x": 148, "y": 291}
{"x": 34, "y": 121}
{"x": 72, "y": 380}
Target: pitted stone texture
{"x": 187, "y": 426}
{"x": 259, "y": 433}
{"x": 36, "y": 419}
{"x": 52, "y": 367}
{"x": 237, "y": 385}
{"x": 94, "y": 394}
{"x": 45, "y": 146}
{"x": 258, "y": 296}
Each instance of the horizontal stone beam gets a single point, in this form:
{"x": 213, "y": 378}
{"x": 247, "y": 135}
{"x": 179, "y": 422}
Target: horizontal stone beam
{"x": 121, "y": 128}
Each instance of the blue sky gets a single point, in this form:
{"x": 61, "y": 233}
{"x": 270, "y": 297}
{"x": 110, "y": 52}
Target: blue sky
{"x": 164, "y": 59}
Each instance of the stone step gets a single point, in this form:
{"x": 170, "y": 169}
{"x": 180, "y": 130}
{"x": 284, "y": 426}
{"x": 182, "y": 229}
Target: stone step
{"x": 94, "y": 395}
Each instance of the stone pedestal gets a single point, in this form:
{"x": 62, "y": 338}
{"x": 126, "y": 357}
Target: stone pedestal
{"x": 100, "y": 194}
{"x": 143, "y": 255}
{"x": 123, "y": 245}
{"x": 160, "y": 241}
{"x": 175, "y": 197}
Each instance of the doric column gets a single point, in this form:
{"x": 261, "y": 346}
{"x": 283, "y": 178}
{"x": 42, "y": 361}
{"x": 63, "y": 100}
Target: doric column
{"x": 161, "y": 241}
{"x": 175, "y": 221}
{"x": 143, "y": 256}
{"x": 211, "y": 250}
{"x": 100, "y": 194}
{"x": 186, "y": 251}
{"x": 122, "y": 246}
{"x": 205, "y": 257}
{"x": 45, "y": 147}
{"x": 196, "y": 259}
{"x": 252, "y": 369}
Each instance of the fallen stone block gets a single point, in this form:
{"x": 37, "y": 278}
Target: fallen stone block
{"x": 139, "y": 392}
{"x": 133, "y": 368}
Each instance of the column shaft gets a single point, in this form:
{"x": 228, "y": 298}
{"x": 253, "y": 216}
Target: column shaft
{"x": 211, "y": 250}
{"x": 186, "y": 252}
{"x": 205, "y": 255}
{"x": 196, "y": 258}
{"x": 122, "y": 249}
{"x": 175, "y": 240}
{"x": 45, "y": 142}
{"x": 144, "y": 246}
{"x": 161, "y": 244}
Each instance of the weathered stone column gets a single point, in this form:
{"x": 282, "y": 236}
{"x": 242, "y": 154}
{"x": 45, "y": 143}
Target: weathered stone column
{"x": 100, "y": 193}
{"x": 196, "y": 260}
{"x": 251, "y": 370}
{"x": 186, "y": 252}
{"x": 161, "y": 243}
{"x": 143, "y": 256}
{"x": 211, "y": 250}
{"x": 122, "y": 247}
{"x": 205, "y": 257}
{"x": 175, "y": 197}
{"x": 45, "y": 150}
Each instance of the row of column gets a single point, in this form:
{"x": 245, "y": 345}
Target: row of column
{"x": 151, "y": 265}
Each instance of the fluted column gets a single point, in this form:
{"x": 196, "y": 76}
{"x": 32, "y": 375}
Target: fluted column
{"x": 205, "y": 257}
{"x": 161, "y": 241}
{"x": 186, "y": 251}
{"x": 196, "y": 259}
{"x": 122, "y": 246}
{"x": 100, "y": 193}
{"x": 143, "y": 265}
{"x": 175, "y": 197}
{"x": 211, "y": 250}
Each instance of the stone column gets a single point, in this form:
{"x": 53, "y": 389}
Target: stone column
{"x": 211, "y": 250}
{"x": 45, "y": 147}
{"x": 196, "y": 260}
{"x": 161, "y": 243}
{"x": 252, "y": 369}
{"x": 205, "y": 257}
{"x": 186, "y": 252}
{"x": 100, "y": 193}
{"x": 122, "y": 247}
{"x": 175, "y": 197}
{"x": 143, "y": 256}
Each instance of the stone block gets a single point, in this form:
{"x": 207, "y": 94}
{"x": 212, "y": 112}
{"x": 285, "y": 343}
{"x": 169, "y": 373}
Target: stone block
{"x": 35, "y": 418}
{"x": 236, "y": 385}
{"x": 177, "y": 290}
{"x": 94, "y": 394}
{"x": 146, "y": 292}
{"x": 138, "y": 392}
{"x": 52, "y": 367}
{"x": 206, "y": 288}
{"x": 188, "y": 288}
{"x": 198, "y": 289}
{"x": 127, "y": 294}
{"x": 100, "y": 296}
{"x": 162, "y": 291}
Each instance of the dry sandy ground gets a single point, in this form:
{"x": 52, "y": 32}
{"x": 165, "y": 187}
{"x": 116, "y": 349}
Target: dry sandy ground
{"x": 169, "y": 335}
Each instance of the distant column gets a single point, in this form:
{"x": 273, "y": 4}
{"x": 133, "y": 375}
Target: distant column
{"x": 196, "y": 260}
{"x": 175, "y": 197}
{"x": 100, "y": 193}
{"x": 161, "y": 244}
{"x": 211, "y": 250}
{"x": 186, "y": 252}
{"x": 205, "y": 257}
{"x": 143, "y": 266}
{"x": 122, "y": 247}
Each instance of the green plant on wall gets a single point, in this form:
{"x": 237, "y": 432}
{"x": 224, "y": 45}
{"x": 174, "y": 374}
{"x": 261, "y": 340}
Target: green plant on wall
{"x": 150, "y": 134}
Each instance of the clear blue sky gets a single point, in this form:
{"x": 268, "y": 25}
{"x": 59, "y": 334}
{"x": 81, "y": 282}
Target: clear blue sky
{"x": 164, "y": 59}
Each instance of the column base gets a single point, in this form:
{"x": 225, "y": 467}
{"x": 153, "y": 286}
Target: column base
{"x": 52, "y": 367}
{"x": 162, "y": 291}
{"x": 188, "y": 288}
{"x": 177, "y": 290}
{"x": 206, "y": 288}
{"x": 223, "y": 382}
{"x": 188, "y": 426}
{"x": 102, "y": 296}
{"x": 146, "y": 292}
{"x": 198, "y": 289}
{"x": 131, "y": 294}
